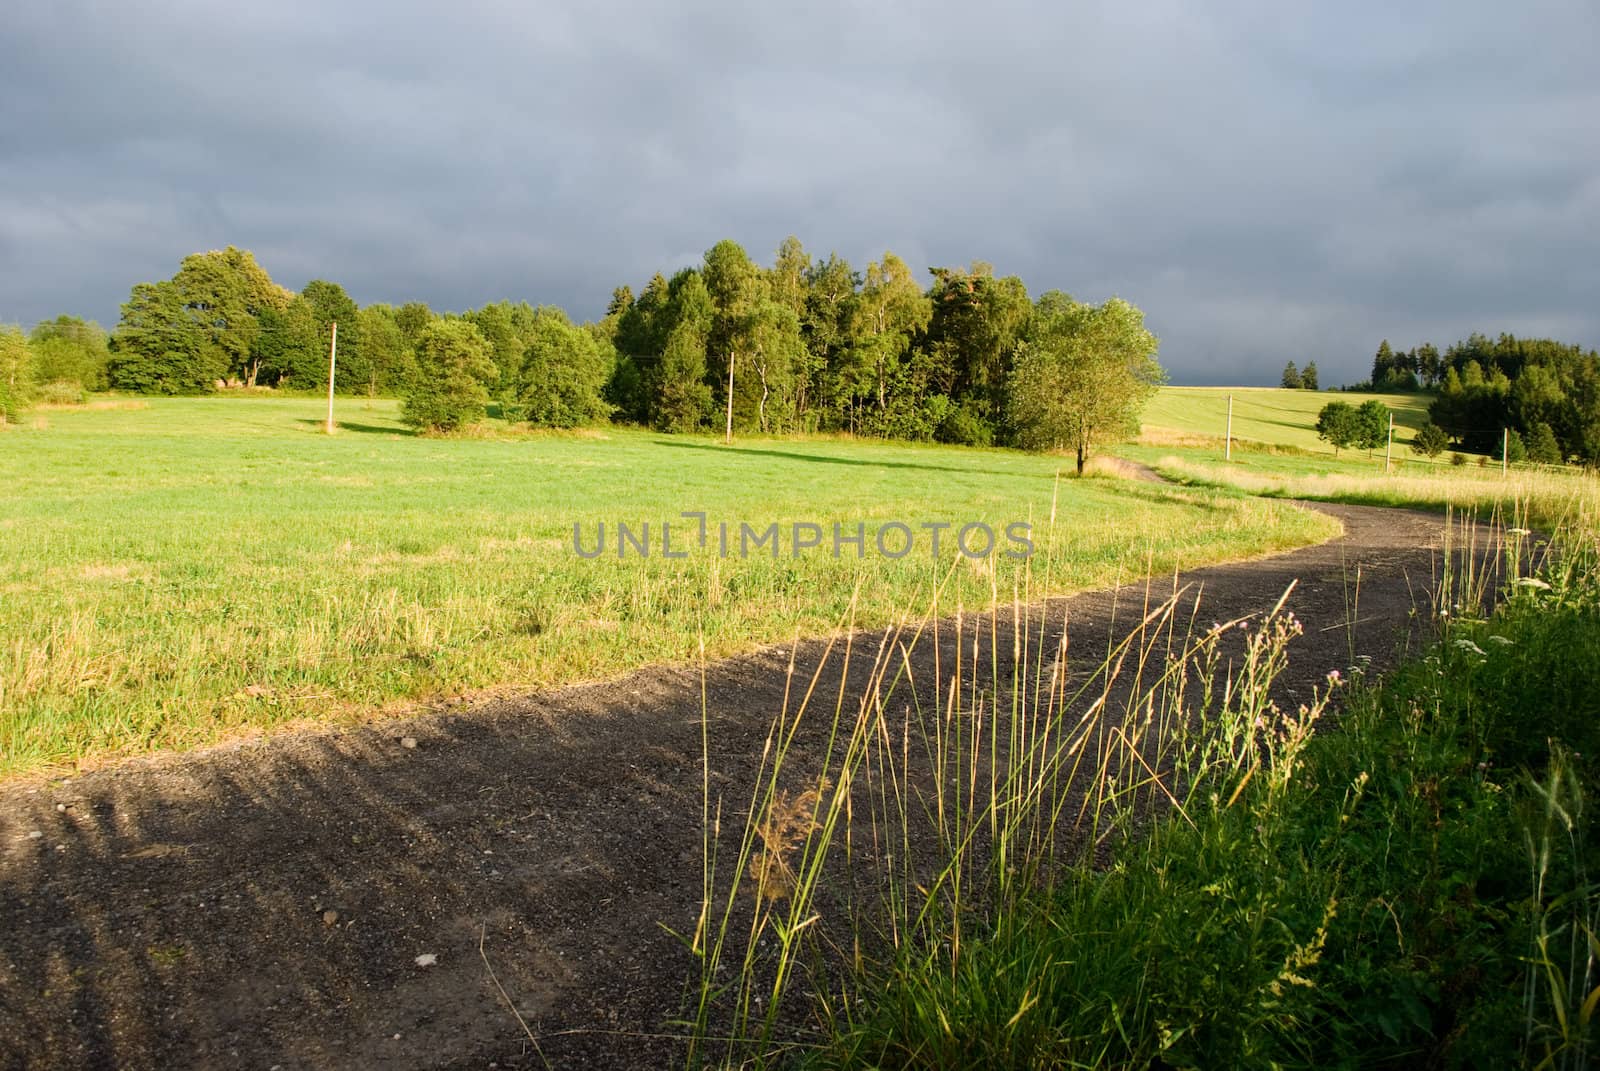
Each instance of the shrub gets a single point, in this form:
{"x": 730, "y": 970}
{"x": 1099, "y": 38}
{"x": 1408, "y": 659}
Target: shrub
{"x": 60, "y": 392}
{"x": 1430, "y": 440}
{"x": 964, "y": 426}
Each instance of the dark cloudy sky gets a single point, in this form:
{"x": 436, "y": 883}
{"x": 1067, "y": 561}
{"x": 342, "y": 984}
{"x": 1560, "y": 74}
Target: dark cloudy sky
{"x": 1268, "y": 180}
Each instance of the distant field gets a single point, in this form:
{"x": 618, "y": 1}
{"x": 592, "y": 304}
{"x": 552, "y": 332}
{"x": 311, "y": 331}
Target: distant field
{"x": 1268, "y": 414}
{"x": 187, "y": 569}
{"x": 1277, "y": 452}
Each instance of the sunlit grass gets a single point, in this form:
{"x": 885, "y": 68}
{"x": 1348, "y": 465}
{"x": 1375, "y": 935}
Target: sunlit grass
{"x": 177, "y": 573}
{"x": 1545, "y": 496}
{"x": 1266, "y": 414}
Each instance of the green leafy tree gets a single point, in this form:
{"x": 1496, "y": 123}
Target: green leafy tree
{"x": 157, "y": 349}
{"x": 1291, "y": 377}
{"x": 738, "y": 290}
{"x": 1308, "y": 376}
{"x": 789, "y": 285}
{"x": 563, "y": 373}
{"x": 827, "y": 327}
{"x": 383, "y": 345}
{"x": 70, "y": 350}
{"x": 890, "y": 310}
{"x": 225, "y": 292}
{"x": 681, "y": 399}
{"x": 1372, "y": 424}
{"x": 1083, "y": 373}
{"x": 778, "y": 359}
{"x": 1431, "y": 440}
{"x": 287, "y": 350}
{"x": 16, "y": 372}
{"x": 1337, "y": 424}
{"x": 413, "y": 318}
{"x": 330, "y": 305}
{"x": 451, "y": 378}
{"x": 977, "y": 321}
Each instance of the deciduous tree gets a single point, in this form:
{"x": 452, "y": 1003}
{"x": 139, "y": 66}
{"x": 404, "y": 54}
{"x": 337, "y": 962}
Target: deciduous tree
{"x": 70, "y": 350}
{"x": 1337, "y": 424}
{"x": 450, "y": 382}
{"x": 225, "y": 292}
{"x": 564, "y": 370}
{"x": 1082, "y": 374}
{"x": 156, "y": 348}
{"x": 1431, "y": 440}
{"x": 16, "y": 372}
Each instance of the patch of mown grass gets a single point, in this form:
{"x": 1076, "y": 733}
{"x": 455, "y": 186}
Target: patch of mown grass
{"x": 183, "y": 570}
{"x": 1413, "y": 889}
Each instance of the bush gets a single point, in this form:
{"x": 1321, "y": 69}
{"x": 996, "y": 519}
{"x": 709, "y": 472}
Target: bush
{"x": 449, "y": 386}
{"x": 59, "y": 392}
{"x": 1430, "y": 440}
{"x": 1458, "y": 459}
{"x": 964, "y": 426}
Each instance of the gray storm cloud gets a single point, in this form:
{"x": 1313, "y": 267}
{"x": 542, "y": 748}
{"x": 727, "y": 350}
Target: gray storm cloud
{"x": 1269, "y": 181}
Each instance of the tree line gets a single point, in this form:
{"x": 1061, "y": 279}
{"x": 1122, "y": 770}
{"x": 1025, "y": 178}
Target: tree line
{"x": 1527, "y": 397}
{"x": 805, "y": 345}
{"x": 812, "y": 344}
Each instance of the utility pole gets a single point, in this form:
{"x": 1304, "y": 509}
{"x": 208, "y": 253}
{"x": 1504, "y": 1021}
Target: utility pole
{"x": 1227, "y": 444}
{"x": 727, "y": 436}
{"x": 333, "y": 357}
{"x": 1389, "y": 447}
{"x": 1505, "y": 445}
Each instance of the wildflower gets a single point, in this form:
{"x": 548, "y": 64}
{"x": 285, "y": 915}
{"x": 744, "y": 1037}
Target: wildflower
{"x": 1518, "y": 531}
{"x": 1468, "y": 645}
{"x": 1533, "y": 582}
{"x": 1503, "y": 641}
{"x": 1333, "y": 677}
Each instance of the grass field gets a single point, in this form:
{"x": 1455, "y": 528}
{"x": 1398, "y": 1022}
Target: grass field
{"x": 1267, "y": 414}
{"x": 1280, "y": 455}
{"x": 183, "y": 570}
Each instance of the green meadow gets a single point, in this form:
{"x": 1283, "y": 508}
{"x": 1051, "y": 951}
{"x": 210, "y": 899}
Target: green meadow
{"x": 1276, "y": 453}
{"x": 1267, "y": 414}
{"x": 180, "y": 571}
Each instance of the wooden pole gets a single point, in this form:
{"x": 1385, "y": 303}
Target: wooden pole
{"x": 1389, "y": 447}
{"x": 727, "y": 436}
{"x": 1227, "y": 444}
{"x": 333, "y": 357}
{"x": 1505, "y": 444}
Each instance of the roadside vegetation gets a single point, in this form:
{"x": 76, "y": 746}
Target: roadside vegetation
{"x": 1157, "y": 873}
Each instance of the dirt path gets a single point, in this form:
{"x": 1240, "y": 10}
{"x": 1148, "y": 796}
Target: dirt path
{"x": 265, "y": 905}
